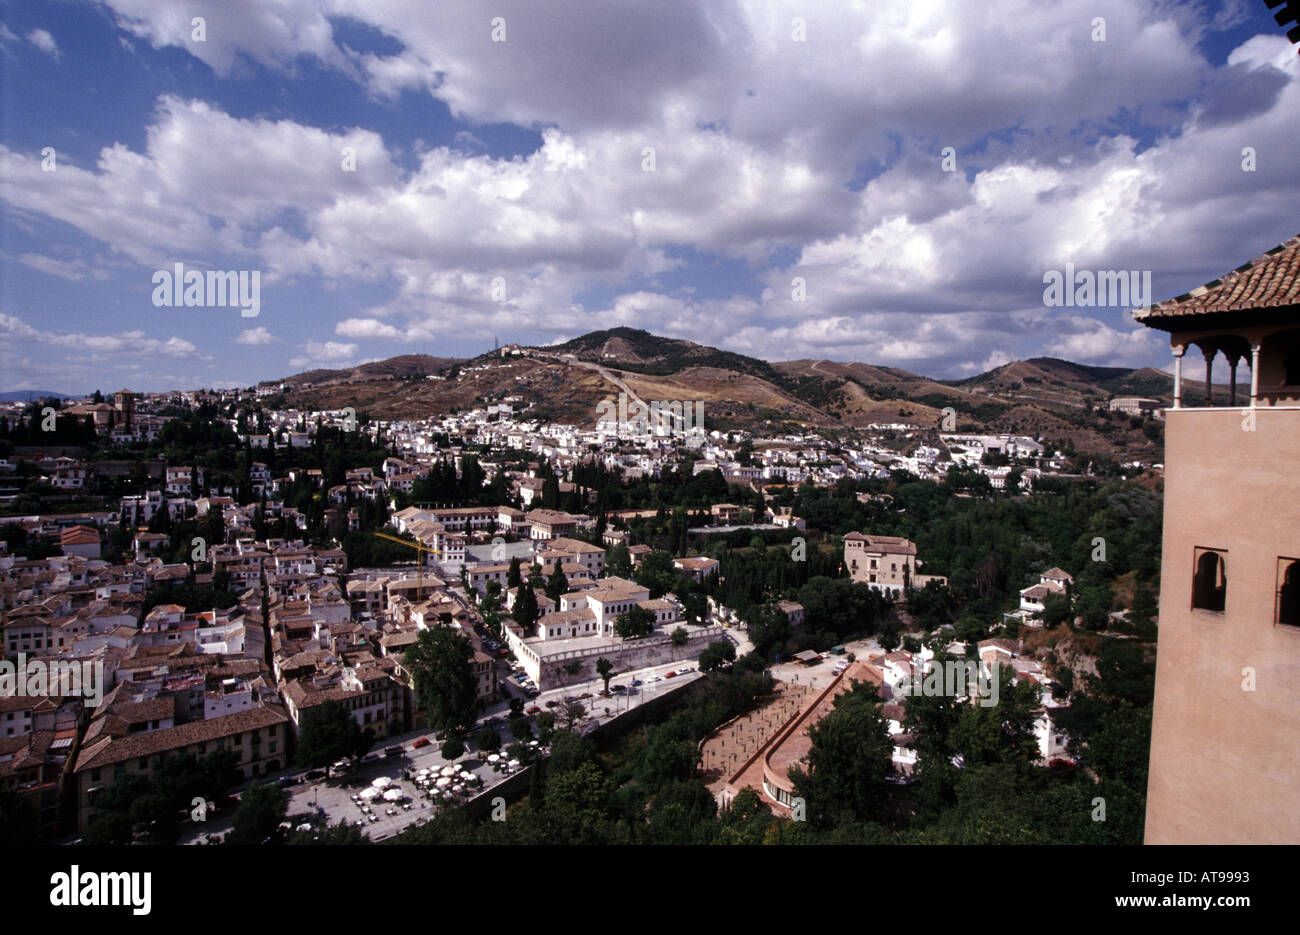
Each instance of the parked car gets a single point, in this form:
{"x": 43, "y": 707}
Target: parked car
{"x": 370, "y": 758}
{"x": 394, "y": 750}
{"x": 422, "y": 742}
{"x": 618, "y": 688}
{"x": 637, "y": 682}
{"x": 670, "y": 674}
{"x": 532, "y": 709}
{"x": 315, "y": 774}
{"x": 288, "y": 780}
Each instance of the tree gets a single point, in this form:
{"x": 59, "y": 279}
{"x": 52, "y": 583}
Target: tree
{"x": 545, "y": 726}
{"x": 513, "y": 577}
{"x": 634, "y": 622}
{"x": 453, "y": 749}
{"x": 619, "y": 561}
{"x": 574, "y": 712}
{"x": 19, "y": 824}
{"x": 683, "y": 813}
{"x": 568, "y": 750}
{"x": 850, "y": 757}
{"x": 488, "y": 740}
{"x": 1056, "y": 610}
{"x": 525, "y": 611}
{"x": 557, "y": 584}
{"x": 261, "y": 809}
{"x": 680, "y": 637}
{"x": 746, "y": 821}
{"x": 327, "y": 732}
{"x": 718, "y": 654}
{"x": 521, "y": 729}
{"x": 342, "y": 833}
{"x": 445, "y": 686}
{"x": 605, "y": 669}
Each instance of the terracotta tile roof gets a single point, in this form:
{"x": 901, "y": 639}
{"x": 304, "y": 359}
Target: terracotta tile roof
{"x": 1268, "y": 281}
{"x": 106, "y": 750}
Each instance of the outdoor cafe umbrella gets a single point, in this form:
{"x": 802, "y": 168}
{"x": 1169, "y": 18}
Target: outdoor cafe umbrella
{"x": 381, "y": 781}
{"x": 394, "y": 795}
{"x": 444, "y": 782}
{"x": 370, "y": 793}
{"x": 492, "y": 758}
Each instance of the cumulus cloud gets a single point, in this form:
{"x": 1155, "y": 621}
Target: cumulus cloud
{"x": 685, "y": 133}
{"x": 324, "y": 354}
{"x": 256, "y": 337}
{"x": 131, "y": 343}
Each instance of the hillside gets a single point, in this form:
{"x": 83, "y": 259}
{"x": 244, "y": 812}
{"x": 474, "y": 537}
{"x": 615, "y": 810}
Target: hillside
{"x": 403, "y": 367}
{"x": 1042, "y": 397}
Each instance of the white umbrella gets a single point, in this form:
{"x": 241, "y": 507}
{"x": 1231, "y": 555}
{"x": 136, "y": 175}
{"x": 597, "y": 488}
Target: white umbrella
{"x": 448, "y": 771}
{"x": 514, "y": 764}
{"x": 381, "y": 782}
{"x": 422, "y": 773}
{"x": 444, "y": 782}
{"x": 370, "y": 793}
{"x": 394, "y": 795}
{"x": 304, "y": 827}
{"x": 492, "y": 758}
{"x": 467, "y": 775}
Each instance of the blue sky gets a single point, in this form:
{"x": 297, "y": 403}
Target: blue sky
{"x": 763, "y": 177}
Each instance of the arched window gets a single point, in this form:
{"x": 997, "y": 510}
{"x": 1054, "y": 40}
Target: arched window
{"x": 1288, "y": 593}
{"x": 1210, "y": 586}
{"x": 1291, "y": 366}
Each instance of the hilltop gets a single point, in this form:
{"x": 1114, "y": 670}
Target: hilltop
{"x": 566, "y": 382}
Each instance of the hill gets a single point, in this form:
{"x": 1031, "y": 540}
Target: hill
{"x": 1043, "y": 397}
{"x": 14, "y": 396}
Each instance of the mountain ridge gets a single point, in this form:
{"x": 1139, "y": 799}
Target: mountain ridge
{"x": 566, "y": 382}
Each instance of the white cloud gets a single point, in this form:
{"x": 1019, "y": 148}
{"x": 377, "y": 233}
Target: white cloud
{"x": 366, "y": 328}
{"x": 1087, "y": 340}
{"x": 324, "y": 354}
{"x": 129, "y": 343}
{"x": 75, "y": 272}
{"x": 755, "y": 138}
{"x": 44, "y": 41}
{"x": 256, "y": 337}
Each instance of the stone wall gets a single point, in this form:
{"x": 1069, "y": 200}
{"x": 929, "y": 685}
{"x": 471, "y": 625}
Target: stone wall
{"x": 652, "y": 650}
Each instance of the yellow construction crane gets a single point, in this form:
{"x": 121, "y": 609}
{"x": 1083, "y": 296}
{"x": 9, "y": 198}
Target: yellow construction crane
{"x": 422, "y": 550}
